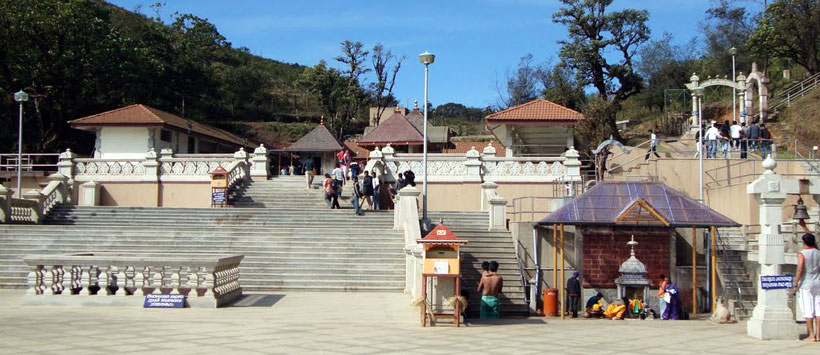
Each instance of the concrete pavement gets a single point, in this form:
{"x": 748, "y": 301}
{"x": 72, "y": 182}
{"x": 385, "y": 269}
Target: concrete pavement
{"x": 348, "y": 323}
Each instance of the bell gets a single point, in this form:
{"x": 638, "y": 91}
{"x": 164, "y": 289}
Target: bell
{"x": 800, "y": 211}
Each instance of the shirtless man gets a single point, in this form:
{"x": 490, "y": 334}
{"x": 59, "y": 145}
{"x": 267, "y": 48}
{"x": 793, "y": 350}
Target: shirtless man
{"x": 490, "y": 286}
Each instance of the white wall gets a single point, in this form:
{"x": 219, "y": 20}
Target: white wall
{"x": 123, "y": 142}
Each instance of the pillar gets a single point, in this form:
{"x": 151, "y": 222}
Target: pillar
{"x": 260, "y": 168}
{"x": 90, "y": 192}
{"x": 5, "y": 204}
{"x": 772, "y": 319}
{"x": 572, "y": 165}
{"x": 498, "y": 213}
{"x": 473, "y": 165}
{"x": 489, "y": 190}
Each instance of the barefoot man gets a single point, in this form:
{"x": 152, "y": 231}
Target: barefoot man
{"x": 490, "y": 286}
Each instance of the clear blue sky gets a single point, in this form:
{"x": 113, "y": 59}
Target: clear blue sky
{"x": 475, "y": 41}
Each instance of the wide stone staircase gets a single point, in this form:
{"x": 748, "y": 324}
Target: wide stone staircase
{"x": 285, "y": 250}
{"x": 283, "y": 192}
{"x": 485, "y": 246}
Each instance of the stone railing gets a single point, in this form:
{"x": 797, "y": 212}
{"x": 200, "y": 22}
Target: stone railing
{"x": 122, "y": 279}
{"x": 163, "y": 167}
{"x": 34, "y": 205}
{"x": 477, "y": 167}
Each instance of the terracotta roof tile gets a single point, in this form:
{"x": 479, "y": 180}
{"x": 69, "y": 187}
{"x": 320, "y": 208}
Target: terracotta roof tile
{"x": 395, "y": 129}
{"x": 141, "y": 115}
{"x": 464, "y": 146}
{"x": 441, "y": 235}
{"x": 358, "y": 151}
{"x": 538, "y": 110}
{"x": 317, "y": 140}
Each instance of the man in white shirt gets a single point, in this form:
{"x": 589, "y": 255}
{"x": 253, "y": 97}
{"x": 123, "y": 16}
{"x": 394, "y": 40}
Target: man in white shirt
{"x": 376, "y": 191}
{"x": 653, "y": 145}
{"x": 736, "y": 135}
{"x": 712, "y": 136}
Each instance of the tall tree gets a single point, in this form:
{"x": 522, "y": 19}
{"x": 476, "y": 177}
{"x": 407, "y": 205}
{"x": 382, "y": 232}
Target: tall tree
{"x": 521, "y": 85}
{"x": 790, "y": 29}
{"x": 353, "y": 57}
{"x": 386, "y": 66}
{"x": 601, "y": 47}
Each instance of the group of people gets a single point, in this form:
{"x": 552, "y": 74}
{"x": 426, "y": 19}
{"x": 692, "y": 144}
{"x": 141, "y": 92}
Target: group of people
{"x": 620, "y": 308}
{"x": 366, "y": 191}
{"x": 733, "y": 137}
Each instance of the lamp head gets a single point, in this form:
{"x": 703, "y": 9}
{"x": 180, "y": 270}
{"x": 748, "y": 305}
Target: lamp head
{"x": 427, "y": 58}
{"x": 20, "y": 96}
{"x": 733, "y": 51}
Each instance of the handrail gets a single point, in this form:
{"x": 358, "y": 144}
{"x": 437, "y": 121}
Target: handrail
{"x": 728, "y": 277}
{"x": 631, "y": 160}
{"x": 793, "y": 92}
{"x": 521, "y": 271}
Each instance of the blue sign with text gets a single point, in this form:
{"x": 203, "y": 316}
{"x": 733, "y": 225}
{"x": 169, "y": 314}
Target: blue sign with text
{"x": 218, "y": 197}
{"x": 164, "y": 301}
{"x": 776, "y": 282}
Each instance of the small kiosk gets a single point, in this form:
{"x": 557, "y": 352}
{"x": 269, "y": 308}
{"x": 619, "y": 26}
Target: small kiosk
{"x": 219, "y": 187}
{"x": 441, "y": 261}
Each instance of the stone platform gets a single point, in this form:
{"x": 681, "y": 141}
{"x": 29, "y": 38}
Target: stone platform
{"x": 349, "y": 323}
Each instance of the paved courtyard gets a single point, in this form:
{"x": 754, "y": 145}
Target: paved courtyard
{"x": 348, "y": 323}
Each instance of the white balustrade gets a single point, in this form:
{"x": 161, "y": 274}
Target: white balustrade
{"x": 208, "y": 281}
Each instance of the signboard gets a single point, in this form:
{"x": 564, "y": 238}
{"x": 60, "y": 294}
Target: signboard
{"x": 219, "y": 181}
{"x": 164, "y": 301}
{"x": 219, "y": 196}
{"x": 776, "y": 282}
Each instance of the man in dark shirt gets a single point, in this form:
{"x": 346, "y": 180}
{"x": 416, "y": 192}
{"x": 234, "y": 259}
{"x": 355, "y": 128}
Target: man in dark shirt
{"x": 573, "y": 294}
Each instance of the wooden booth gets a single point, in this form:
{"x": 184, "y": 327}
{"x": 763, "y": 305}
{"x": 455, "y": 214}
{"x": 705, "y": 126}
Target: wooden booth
{"x": 442, "y": 260}
{"x": 219, "y": 187}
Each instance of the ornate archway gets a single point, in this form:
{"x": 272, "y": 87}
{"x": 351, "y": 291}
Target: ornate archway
{"x": 743, "y": 85}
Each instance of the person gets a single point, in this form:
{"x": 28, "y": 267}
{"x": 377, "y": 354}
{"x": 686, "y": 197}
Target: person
{"x": 735, "y": 132}
{"x": 593, "y": 306}
{"x": 744, "y": 141}
{"x": 309, "y": 172}
{"x": 712, "y": 136}
{"x": 807, "y": 284}
{"x": 573, "y": 294}
{"x": 376, "y": 190}
{"x": 601, "y": 158}
{"x": 339, "y": 174}
{"x": 653, "y": 145}
{"x": 330, "y": 193}
{"x": 636, "y": 308}
{"x": 754, "y": 135}
{"x": 661, "y": 291}
{"x": 725, "y": 133}
{"x": 485, "y": 269}
{"x": 765, "y": 141}
{"x": 490, "y": 288}
{"x": 401, "y": 182}
{"x": 367, "y": 189}
{"x": 673, "y": 310}
{"x": 616, "y": 309}
{"x": 357, "y": 194}
{"x": 354, "y": 168}
{"x": 701, "y": 143}
{"x": 410, "y": 178}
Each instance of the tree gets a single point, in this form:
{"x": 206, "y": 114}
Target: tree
{"x": 560, "y": 87}
{"x": 790, "y": 29}
{"x": 521, "y": 86}
{"x": 726, "y": 26}
{"x": 596, "y": 37}
{"x": 353, "y": 56}
{"x": 381, "y": 91}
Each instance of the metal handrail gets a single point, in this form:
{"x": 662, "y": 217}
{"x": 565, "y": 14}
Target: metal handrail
{"x": 728, "y": 277}
{"x": 624, "y": 153}
{"x": 793, "y": 92}
{"x": 524, "y": 284}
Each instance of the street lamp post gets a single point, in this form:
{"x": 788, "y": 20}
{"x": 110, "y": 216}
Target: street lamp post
{"x": 425, "y": 58}
{"x": 699, "y": 95}
{"x": 21, "y": 97}
{"x": 733, "y": 51}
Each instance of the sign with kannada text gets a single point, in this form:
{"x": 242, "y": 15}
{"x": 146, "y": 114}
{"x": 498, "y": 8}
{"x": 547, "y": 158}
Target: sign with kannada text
{"x": 164, "y": 301}
{"x": 776, "y": 282}
{"x": 218, "y": 196}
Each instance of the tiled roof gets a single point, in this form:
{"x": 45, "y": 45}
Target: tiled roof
{"x": 464, "y": 146}
{"x": 317, "y": 140}
{"x": 604, "y": 203}
{"x": 141, "y": 115}
{"x": 417, "y": 119}
{"x": 395, "y": 129}
{"x": 538, "y": 110}
{"x": 441, "y": 235}
{"x": 358, "y": 151}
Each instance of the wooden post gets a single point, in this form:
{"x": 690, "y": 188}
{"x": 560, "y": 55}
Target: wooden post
{"x": 714, "y": 266}
{"x": 424, "y": 297}
{"x": 279, "y": 165}
{"x": 694, "y": 270}
{"x": 562, "y": 298}
{"x": 554, "y": 256}
{"x": 456, "y": 312}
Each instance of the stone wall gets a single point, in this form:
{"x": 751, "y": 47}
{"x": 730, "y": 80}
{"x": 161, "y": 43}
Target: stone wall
{"x": 604, "y": 250}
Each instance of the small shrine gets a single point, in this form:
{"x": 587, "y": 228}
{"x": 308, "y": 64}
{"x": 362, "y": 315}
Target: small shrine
{"x": 633, "y": 282}
{"x": 442, "y": 268}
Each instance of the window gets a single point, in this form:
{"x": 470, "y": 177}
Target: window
{"x": 165, "y": 136}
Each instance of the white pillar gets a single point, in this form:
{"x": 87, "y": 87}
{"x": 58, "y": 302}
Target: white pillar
{"x": 5, "y": 204}
{"x": 498, "y": 214}
{"x": 473, "y": 165}
{"x": 90, "y": 193}
{"x": 489, "y": 190}
{"x": 772, "y": 319}
{"x": 260, "y": 168}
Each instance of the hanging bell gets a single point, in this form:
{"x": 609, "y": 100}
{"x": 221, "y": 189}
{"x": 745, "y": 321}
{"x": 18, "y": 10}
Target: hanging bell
{"x": 800, "y": 211}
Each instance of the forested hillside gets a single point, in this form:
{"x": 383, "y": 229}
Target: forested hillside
{"x": 82, "y": 57}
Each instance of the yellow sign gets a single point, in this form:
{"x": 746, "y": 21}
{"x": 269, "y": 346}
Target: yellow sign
{"x": 219, "y": 181}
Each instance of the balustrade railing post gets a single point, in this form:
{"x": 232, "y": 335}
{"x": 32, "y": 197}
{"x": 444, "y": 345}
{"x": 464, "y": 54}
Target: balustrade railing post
{"x": 139, "y": 280}
{"x": 193, "y": 281}
{"x": 5, "y": 204}
{"x": 176, "y": 279}
{"x": 37, "y": 212}
{"x": 209, "y": 282}
{"x": 102, "y": 280}
{"x": 119, "y": 272}
{"x": 156, "y": 280}
{"x": 33, "y": 281}
{"x": 85, "y": 280}
{"x": 48, "y": 280}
